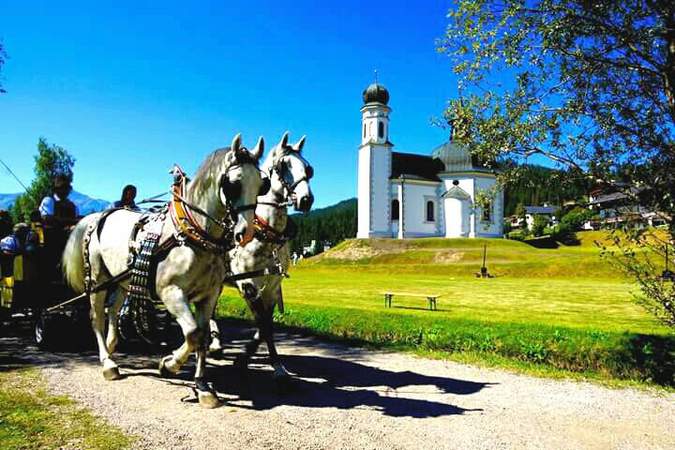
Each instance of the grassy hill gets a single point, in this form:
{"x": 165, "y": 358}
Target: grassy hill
{"x": 557, "y": 312}
{"x": 463, "y": 257}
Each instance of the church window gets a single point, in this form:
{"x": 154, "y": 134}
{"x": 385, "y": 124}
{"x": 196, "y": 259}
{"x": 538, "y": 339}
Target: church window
{"x": 486, "y": 212}
{"x": 394, "y": 210}
{"x": 380, "y": 129}
{"x": 364, "y": 130}
{"x": 430, "y": 211}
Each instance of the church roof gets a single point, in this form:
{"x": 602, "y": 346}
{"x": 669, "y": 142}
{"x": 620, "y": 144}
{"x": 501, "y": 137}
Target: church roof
{"x": 456, "y": 157}
{"x": 415, "y": 166}
{"x": 376, "y": 93}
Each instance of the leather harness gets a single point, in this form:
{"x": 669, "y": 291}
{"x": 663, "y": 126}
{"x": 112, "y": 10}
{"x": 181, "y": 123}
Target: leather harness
{"x": 188, "y": 230}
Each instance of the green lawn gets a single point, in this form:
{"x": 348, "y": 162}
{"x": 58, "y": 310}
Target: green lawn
{"x": 560, "y": 310}
{"x": 30, "y": 418}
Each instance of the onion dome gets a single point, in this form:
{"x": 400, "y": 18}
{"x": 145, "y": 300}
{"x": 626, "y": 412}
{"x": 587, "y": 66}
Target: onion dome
{"x": 455, "y": 156}
{"x": 376, "y": 93}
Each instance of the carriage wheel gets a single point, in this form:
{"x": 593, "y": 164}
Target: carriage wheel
{"x": 44, "y": 331}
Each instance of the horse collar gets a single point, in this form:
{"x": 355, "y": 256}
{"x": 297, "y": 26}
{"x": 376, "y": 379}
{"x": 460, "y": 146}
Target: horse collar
{"x": 187, "y": 228}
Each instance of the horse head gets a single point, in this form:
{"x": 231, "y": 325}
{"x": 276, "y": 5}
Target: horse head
{"x": 240, "y": 185}
{"x": 290, "y": 173}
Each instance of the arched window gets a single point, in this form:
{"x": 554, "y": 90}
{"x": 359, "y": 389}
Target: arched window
{"x": 430, "y": 211}
{"x": 380, "y": 129}
{"x": 364, "y": 130}
{"x": 486, "y": 213}
{"x": 394, "y": 210}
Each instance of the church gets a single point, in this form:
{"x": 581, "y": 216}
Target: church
{"x": 406, "y": 195}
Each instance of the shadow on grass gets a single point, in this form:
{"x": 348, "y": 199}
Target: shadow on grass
{"x": 418, "y": 308}
{"x": 654, "y": 355}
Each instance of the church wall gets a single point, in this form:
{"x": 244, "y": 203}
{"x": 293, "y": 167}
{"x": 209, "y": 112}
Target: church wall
{"x": 363, "y": 208}
{"x": 494, "y": 227}
{"x": 380, "y": 192}
{"x": 414, "y": 209}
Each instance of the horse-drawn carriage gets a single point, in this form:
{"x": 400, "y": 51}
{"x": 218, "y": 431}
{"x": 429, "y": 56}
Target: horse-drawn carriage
{"x": 228, "y": 224}
{"x": 32, "y": 283}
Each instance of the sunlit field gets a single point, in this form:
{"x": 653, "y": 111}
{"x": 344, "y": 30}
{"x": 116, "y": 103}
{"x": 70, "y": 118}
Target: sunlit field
{"x": 564, "y": 309}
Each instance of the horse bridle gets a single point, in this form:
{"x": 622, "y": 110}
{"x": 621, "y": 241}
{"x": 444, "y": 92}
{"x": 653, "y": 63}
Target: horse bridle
{"x": 290, "y": 187}
{"x": 233, "y": 190}
{"x": 192, "y": 227}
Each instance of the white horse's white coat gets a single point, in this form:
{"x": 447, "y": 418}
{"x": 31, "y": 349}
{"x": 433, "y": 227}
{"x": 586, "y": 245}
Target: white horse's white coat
{"x": 263, "y": 293}
{"x": 188, "y": 275}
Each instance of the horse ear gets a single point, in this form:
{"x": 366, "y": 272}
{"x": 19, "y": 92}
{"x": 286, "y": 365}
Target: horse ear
{"x": 236, "y": 143}
{"x": 284, "y": 140}
{"x": 258, "y": 149}
{"x": 298, "y": 145}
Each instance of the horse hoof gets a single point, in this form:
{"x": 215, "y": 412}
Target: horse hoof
{"x": 164, "y": 371}
{"x": 111, "y": 373}
{"x": 208, "y": 399}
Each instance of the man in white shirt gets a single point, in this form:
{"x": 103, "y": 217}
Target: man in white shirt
{"x": 59, "y": 215}
{"x": 56, "y": 210}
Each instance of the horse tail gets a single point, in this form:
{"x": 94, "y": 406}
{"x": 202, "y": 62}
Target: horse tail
{"x": 72, "y": 260}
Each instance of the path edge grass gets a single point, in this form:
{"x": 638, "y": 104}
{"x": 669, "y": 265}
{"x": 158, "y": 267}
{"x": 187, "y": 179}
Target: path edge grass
{"x": 608, "y": 358}
{"x": 33, "y": 418}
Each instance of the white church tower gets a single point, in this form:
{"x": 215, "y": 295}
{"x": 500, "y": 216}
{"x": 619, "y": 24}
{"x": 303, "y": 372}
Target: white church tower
{"x": 374, "y": 165}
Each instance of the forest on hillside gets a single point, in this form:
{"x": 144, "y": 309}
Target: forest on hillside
{"x": 338, "y": 222}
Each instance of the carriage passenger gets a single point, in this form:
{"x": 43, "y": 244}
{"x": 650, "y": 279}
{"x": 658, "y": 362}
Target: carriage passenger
{"x": 128, "y": 199}
{"x": 21, "y": 242}
{"x": 57, "y": 211}
{"x": 59, "y": 216}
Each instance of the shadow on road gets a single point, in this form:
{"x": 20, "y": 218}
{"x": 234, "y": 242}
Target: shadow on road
{"x": 337, "y": 377}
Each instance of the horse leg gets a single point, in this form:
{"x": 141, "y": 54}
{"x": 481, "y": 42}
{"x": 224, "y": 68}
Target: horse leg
{"x": 110, "y": 369}
{"x": 113, "y": 313}
{"x": 266, "y": 330}
{"x": 252, "y": 296}
{"x": 215, "y": 346}
{"x": 176, "y": 303}
{"x": 206, "y": 395}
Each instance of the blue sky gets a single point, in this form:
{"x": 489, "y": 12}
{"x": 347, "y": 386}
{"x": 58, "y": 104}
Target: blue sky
{"x": 129, "y": 88}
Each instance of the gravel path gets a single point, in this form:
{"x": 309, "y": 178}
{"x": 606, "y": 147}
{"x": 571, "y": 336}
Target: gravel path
{"x": 347, "y": 397}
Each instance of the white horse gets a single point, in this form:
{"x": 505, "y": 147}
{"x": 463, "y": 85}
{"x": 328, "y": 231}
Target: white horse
{"x": 289, "y": 174}
{"x": 207, "y": 215}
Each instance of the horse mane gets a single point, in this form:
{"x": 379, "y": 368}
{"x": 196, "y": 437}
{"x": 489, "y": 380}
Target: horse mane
{"x": 214, "y": 164}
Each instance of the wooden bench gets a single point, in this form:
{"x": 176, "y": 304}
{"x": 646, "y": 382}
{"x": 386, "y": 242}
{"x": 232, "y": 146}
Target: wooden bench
{"x": 388, "y": 296}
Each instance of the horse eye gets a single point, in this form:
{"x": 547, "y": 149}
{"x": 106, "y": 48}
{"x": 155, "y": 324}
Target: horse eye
{"x": 309, "y": 171}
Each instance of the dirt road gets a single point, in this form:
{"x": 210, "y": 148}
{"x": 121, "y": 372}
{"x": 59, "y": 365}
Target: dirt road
{"x": 346, "y": 397}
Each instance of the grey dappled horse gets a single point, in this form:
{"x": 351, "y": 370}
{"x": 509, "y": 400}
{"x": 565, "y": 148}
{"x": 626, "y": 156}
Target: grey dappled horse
{"x": 226, "y": 185}
{"x": 289, "y": 175}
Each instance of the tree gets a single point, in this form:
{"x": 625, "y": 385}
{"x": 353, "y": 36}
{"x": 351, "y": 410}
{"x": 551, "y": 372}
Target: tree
{"x": 587, "y": 84}
{"x": 50, "y": 161}
{"x": 3, "y": 58}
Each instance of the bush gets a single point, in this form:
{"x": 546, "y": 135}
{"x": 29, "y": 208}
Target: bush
{"x": 540, "y": 223}
{"x": 517, "y": 235}
{"x": 576, "y": 218}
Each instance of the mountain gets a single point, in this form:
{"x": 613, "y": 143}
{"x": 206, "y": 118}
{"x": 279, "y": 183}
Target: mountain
{"x": 86, "y": 204}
